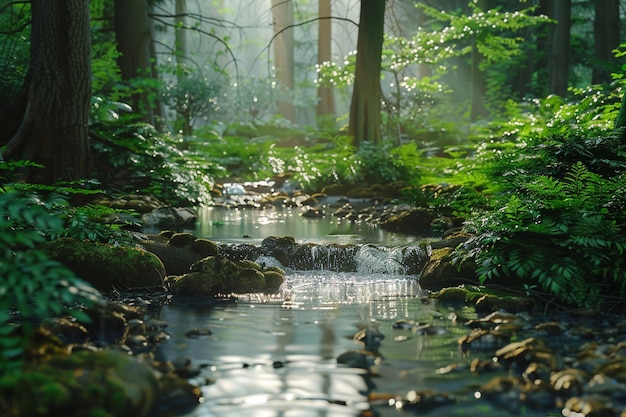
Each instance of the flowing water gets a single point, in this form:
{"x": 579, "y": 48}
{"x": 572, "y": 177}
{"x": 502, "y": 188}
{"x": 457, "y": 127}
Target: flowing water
{"x": 271, "y": 356}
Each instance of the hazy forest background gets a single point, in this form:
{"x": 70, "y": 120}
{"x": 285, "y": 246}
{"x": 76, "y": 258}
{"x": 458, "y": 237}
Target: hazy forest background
{"x": 514, "y": 106}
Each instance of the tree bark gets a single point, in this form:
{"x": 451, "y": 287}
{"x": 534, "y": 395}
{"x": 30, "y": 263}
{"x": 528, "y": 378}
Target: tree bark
{"x": 606, "y": 38}
{"x": 326, "y": 103}
{"x": 284, "y": 61}
{"x": 55, "y": 124}
{"x": 133, "y": 33}
{"x": 559, "y": 46}
{"x": 366, "y": 95}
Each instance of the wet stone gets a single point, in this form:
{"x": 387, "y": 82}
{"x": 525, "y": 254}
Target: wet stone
{"x": 197, "y": 333}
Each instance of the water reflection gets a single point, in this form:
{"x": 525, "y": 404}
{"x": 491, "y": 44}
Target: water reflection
{"x": 276, "y": 356}
{"x": 253, "y": 225}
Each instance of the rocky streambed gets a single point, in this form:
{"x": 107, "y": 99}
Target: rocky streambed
{"x": 515, "y": 354}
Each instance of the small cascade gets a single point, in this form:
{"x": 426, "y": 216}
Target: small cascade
{"x": 366, "y": 259}
{"x": 401, "y": 260}
{"x": 337, "y": 258}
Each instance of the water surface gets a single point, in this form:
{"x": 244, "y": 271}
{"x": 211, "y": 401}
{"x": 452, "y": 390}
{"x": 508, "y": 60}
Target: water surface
{"x": 273, "y": 356}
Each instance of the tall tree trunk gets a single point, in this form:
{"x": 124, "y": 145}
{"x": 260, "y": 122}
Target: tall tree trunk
{"x": 284, "y": 61}
{"x": 54, "y": 129}
{"x": 326, "y": 103}
{"x": 606, "y": 38}
{"x": 184, "y": 117}
{"x": 366, "y": 95}
{"x": 134, "y": 41}
{"x": 559, "y": 46}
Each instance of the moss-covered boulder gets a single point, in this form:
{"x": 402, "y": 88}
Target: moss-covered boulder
{"x": 467, "y": 294}
{"x": 217, "y": 275}
{"x": 86, "y": 383}
{"x": 108, "y": 267}
{"x": 440, "y": 272}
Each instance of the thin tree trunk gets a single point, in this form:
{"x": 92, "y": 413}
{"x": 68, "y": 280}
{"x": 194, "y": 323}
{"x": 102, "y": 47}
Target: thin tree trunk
{"x": 606, "y": 38}
{"x": 477, "y": 86}
{"x": 284, "y": 61}
{"x": 134, "y": 42}
{"x": 184, "y": 117}
{"x": 366, "y": 95}
{"x": 326, "y": 103}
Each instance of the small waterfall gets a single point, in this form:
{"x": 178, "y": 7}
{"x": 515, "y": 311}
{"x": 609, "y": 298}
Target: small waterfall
{"x": 401, "y": 260}
{"x": 365, "y": 259}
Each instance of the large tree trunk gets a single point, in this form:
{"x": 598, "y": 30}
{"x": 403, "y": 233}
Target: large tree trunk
{"x": 366, "y": 95}
{"x": 326, "y": 103}
{"x": 559, "y": 46}
{"x": 133, "y": 33}
{"x": 606, "y": 38}
{"x": 54, "y": 128}
{"x": 284, "y": 61}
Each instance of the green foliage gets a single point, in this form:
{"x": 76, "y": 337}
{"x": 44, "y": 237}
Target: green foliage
{"x": 565, "y": 234}
{"x": 194, "y": 94}
{"x": 441, "y": 46}
{"x": 15, "y": 50}
{"x": 85, "y": 222}
{"x": 386, "y": 163}
{"x": 139, "y": 159}
{"x": 32, "y": 287}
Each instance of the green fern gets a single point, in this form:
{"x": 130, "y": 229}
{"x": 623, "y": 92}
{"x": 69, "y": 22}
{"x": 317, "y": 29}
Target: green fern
{"x": 558, "y": 233}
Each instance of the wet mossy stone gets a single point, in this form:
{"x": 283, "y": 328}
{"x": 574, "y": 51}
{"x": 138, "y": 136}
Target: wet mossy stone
{"x": 489, "y": 303}
{"x": 108, "y": 267}
{"x": 249, "y": 280}
{"x": 217, "y": 275}
{"x": 204, "y": 247}
{"x": 86, "y": 383}
{"x": 273, "y": 279}
{"x": 280, "y": 247}
{"x": 461, "y": 294}
{"x": 439, "y": 272}
{"x": 181, "y": 239}
{"x": 195, "y": 284}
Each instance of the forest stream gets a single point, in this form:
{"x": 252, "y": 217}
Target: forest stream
{"x": 365, "y": 343}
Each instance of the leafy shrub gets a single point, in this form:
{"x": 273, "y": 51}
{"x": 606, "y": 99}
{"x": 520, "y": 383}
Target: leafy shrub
{"x": 32, "y": 287}
{"x": 560, "y": 234}
{"x": 139, "y": 159}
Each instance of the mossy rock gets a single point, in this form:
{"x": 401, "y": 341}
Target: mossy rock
{"x": 273, "y": 280}
{"x": 216, "y": 275}
{"x": 195, "y": 284}
{"x": 108, "y": 267}
{"x": 249, "y": 280}
{"x": 489, "y": 303}
{"x": 204, "y": 247}
{"x": 439, "y": 272}
{"x": 461, "y": 294}
{"x": 86, "y": 383}
{"x": 181, "y": 239}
